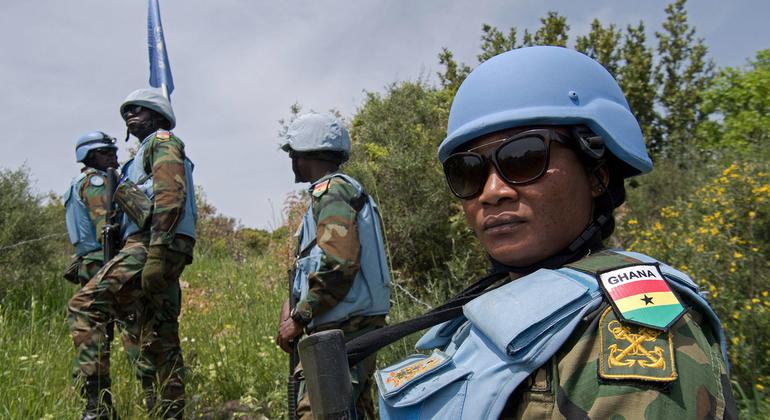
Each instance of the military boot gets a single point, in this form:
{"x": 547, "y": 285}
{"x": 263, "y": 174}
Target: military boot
{"x": 96, "y": 391}
{"x": 150, "y": 396}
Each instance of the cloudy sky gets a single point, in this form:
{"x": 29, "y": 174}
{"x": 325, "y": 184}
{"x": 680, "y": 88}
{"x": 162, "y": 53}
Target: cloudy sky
{"x": 239, "y": 65}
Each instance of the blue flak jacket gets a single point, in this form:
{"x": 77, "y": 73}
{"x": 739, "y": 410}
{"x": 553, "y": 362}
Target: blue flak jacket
{"x": 370, "y": 293}
{"x": 80, "y": 228}
{"x": 482, "y": 357}
{"x": 134, "y": 172}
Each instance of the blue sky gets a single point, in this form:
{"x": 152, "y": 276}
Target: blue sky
{"x": 239, "y": 65}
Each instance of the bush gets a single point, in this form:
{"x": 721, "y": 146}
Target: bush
{"x": 719, "y": 235}
{"x": 395, "y": 136}
{"x": 33, "y": 244}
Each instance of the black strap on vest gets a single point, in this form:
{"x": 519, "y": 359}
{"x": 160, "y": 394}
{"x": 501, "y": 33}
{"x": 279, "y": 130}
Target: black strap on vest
{"x": 361, "y": 347}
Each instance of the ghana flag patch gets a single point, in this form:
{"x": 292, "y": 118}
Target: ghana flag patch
{"x": 641, "y": 295}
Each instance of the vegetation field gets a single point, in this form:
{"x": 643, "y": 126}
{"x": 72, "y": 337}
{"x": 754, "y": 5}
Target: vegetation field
{"x": 705, "y": 210}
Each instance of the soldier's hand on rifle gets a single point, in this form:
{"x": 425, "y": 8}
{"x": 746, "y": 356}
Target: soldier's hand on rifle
{"x": 288, "y": 330}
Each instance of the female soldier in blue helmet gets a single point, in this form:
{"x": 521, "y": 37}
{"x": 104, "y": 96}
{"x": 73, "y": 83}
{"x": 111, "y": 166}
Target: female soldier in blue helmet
{"x": 539, "y": 143}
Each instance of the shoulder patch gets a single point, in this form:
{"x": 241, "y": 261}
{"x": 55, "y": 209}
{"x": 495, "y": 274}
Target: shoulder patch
{"x": 96, "y": 181}
{"x": 163, "y": 135}
{"x": 630, "y": 352}
{"x": 320, "y": 188}
{"x": 396, "y": 378}
{"x": 640, "y": 295}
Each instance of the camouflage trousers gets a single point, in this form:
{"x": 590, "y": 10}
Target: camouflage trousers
{"x": 89, "y": 265}
{"x": 148, "y": 316}
{"x": 360, "y": 374}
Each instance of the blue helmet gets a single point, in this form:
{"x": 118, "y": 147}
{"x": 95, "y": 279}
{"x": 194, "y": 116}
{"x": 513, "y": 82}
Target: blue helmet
{"x": 91, "y": 141}
{"x": 546, "y": 86}
{"x": 152, "y": 99}
{"x": 317, "y": 133}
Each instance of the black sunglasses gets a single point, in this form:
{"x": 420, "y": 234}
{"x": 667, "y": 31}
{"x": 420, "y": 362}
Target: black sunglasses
{"x": 519, "y": 159}
{"x": 131, "y": 109}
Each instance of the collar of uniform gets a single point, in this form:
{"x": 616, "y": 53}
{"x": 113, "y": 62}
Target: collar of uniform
{"x": 146, "y": 139}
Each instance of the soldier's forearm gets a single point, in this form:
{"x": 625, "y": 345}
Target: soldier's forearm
{"x": 170, "y": 189}
{"x": 328, "y": 287}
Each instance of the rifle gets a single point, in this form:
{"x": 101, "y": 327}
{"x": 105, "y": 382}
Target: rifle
{"x": 293, "y": 384}
{"x": 111, "y": 229}
{"x": 326, "y": 357}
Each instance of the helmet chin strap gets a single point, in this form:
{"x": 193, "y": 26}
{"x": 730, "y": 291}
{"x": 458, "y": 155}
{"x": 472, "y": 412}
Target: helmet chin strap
{"x": 589, "y": 240}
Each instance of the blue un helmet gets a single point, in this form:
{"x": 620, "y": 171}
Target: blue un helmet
{"x": 92, "y": 141}
{"x": 151, "y": 99}
{"x": 546, "y": 86}
{"x": 317, "y": 133}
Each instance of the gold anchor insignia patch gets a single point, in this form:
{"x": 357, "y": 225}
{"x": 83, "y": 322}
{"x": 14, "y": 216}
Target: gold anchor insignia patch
{"x": 631, "y": 352}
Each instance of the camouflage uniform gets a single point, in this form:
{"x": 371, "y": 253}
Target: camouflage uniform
{"x": 606, "y": 368}
{"x": 568, "y": 386}
{"x": 337, "y": 235}
{"x": 94, "y": 195}
{"x": 117, "y": 290}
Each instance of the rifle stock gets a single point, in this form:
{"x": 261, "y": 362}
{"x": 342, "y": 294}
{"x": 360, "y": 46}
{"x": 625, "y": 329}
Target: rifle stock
{"x": 111, "y": 230}
{"x": 293, "y": 383}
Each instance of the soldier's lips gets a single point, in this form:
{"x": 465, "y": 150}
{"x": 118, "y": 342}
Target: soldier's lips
{"x": 501, "y": 224}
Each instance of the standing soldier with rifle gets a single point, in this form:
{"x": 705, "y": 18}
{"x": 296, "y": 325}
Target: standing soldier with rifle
{"x": 92, "y": 223}
{"x": 158, "y": 227}
{"x": 88, "y": 202}
{"x": 341, "y": 278}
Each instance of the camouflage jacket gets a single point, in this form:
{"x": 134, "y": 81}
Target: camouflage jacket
{"x": 164, "y": 158}
{"x": 575, "y": 383}
{"x": 337, "y": 236}
{"x": 93, "y": 193}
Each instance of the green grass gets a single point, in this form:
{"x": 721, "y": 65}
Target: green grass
{"x": 227, "y": 328}
{"x": 228, "y": 324}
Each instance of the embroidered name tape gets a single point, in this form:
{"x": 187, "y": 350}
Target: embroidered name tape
{"x": 394, "y": 379}
{"x": 641, "y": 295}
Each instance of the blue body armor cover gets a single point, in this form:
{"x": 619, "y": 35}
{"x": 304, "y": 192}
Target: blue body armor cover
{"x": 80, "y": 227}
{"x": 134, "y": 172}
{"x": 370, "y": 292}
{"x": 486, "y": 356}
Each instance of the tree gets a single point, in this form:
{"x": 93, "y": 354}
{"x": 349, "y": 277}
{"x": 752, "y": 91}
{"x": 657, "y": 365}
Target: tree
{"x": 552, "y": 32}
{"x": 683, "y": 74}
{"x": 635, "y": 77}
{"x": 740, "y": 102}
{"x": 454, "y": 73}
{"x": 494, "y": 42}
{"x": 32, "y": 234}
{"x": 601, "y": 44}
{"x": 395, "y": 135}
